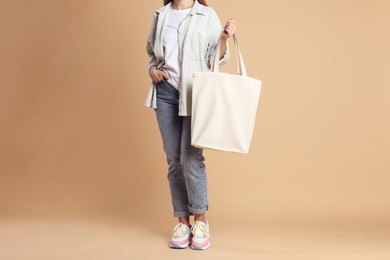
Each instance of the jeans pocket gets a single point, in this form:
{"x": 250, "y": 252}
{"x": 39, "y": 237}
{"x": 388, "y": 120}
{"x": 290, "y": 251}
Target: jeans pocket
{"x": 161, "y": 88}
{"x": 166, "y": 92}
{"x": 159, "y": 82}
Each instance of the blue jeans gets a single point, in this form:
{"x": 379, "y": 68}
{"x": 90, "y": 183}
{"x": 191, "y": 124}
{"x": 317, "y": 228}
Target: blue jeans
{"x": 186, "y": 169}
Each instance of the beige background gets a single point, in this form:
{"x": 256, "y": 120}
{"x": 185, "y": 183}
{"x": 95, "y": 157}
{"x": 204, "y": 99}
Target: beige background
{"x": 77, "y": 142}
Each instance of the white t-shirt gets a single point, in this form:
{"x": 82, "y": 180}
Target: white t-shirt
{"x": 171, "y": 44}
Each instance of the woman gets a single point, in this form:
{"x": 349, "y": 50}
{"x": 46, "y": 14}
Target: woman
{"x": 183, "y": 38}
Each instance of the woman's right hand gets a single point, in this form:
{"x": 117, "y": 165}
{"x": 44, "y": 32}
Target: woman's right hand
{"x": 157, "y": 75}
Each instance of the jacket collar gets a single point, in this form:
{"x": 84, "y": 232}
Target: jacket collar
{"x": 197, "y": 8}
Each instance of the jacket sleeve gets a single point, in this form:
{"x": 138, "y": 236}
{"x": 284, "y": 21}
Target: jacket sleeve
{"x": 150, "y": 44}
{"x": 215, "y": 34}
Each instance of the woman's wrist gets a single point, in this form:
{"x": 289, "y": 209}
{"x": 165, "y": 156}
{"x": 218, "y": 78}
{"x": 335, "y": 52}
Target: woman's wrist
{"x": 151, "y": 68}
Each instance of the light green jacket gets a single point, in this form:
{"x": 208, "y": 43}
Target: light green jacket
{"x": 198, "y": 37}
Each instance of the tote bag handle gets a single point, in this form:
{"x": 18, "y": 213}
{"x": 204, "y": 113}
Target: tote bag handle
{"x": 239, "y": 60}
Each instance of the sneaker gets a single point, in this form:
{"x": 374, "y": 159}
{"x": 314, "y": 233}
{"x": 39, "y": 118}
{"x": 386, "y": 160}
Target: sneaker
{"x": 201, "y": 235}
{"x": 181, "y": 236}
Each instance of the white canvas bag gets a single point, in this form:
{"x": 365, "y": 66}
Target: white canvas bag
{"x": 224, "y": 107}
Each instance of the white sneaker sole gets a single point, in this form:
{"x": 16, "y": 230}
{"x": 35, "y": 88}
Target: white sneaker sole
{"x": 207, "y": 246}
{"x": 176, "y": 246}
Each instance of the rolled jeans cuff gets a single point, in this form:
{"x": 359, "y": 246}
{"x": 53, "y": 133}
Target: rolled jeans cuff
{"x": 198, "y": 211}
{"x": 182, "y": 214}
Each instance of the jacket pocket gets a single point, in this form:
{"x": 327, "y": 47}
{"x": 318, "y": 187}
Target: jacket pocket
{"x": 196, "y": 50}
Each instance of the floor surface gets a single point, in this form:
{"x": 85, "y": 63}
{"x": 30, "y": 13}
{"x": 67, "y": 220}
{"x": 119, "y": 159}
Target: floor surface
{"x": 74, "y": 239}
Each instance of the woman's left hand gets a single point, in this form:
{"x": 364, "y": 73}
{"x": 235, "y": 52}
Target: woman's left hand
{"x": 229, "y": 29}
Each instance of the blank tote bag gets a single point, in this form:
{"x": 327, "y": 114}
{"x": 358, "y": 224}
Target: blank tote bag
{"x": 224, "y": 107}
